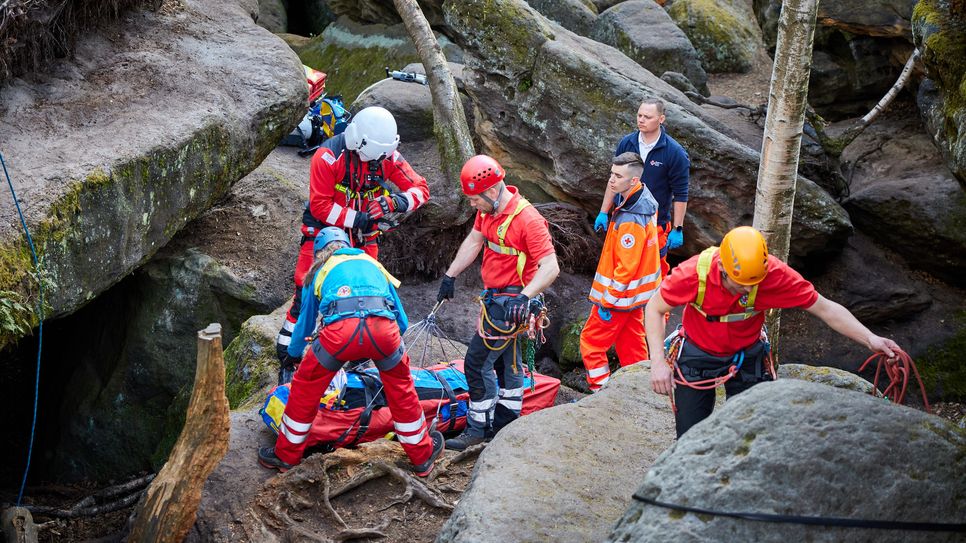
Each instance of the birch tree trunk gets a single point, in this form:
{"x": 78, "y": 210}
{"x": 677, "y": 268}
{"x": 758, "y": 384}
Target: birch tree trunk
{"x": 449, "y": 120}
{"x": 778, "y": 171}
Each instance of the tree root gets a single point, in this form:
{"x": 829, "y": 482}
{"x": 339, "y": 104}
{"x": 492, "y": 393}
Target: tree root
{"x": 415, "y": 487}
{"x": 444, "y": 465}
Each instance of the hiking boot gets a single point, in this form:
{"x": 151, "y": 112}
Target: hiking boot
{"x": 439, "y": 445}
{"x": 463, "y": 441}
{"x": 267, "y": 458}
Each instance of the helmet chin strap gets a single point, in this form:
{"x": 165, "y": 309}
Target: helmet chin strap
{"x": 494, "y": 203}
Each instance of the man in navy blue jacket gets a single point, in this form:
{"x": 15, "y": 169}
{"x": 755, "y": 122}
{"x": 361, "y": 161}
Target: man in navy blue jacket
{"x": 666, "y": 172}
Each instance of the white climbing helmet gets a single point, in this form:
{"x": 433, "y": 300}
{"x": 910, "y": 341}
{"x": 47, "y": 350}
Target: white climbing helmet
{"x": 372, "y": 134}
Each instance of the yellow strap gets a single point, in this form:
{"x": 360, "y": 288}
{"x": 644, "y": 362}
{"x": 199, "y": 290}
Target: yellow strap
{"x": 703, "y": 268}
{"x": 500, "y": 246}
{"x": 369, "y": 194}
{"x": 335, "y": 260}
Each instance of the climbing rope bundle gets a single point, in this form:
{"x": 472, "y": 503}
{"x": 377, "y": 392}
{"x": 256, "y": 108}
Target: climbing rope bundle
{"x": 897, "y": 370}
{"x": 530, "y": 331}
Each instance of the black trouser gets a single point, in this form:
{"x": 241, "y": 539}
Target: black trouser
{"x": 693, "y": 406}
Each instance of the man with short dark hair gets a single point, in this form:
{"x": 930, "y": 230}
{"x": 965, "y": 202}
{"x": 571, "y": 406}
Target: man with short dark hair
{"x": 666, "y": 175}
{"x": 628, "y": 274}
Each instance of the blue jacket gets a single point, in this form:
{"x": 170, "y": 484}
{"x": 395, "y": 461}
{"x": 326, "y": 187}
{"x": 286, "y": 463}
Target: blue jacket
{"x": 666, "y": 171}
{"x": 350, "y": 278}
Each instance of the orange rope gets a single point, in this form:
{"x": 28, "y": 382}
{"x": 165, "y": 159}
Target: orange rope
{"x": 897, "y": 370}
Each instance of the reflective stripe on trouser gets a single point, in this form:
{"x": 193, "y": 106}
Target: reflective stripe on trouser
{"x": 624, "y": 330}
{"x": 312, "y": 378}
{"x": 488, "y": 373}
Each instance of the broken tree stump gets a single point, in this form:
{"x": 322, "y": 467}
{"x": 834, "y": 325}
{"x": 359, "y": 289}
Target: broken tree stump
{"x": 171, "y": 502}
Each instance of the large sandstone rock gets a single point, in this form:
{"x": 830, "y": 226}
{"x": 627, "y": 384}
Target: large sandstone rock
{"x": 825, "y": 375}
{"x": 913, "y": 206}
{"x": 355, "y": 55}
{"x": 938, "y": 33}
{"x": 797, "y": 448}
{"x": 551, "y": 106}
{"x": 272, "y": 16}
{"x": 577, "y": 16}
{"x": 553, "y": 476}
{"x": 723, "y": 32}
{"x": 880, "y": 18}
{"x": 643, "y": 31}
{"x": 117, "y": 149}
{"x": 384, "y": 11}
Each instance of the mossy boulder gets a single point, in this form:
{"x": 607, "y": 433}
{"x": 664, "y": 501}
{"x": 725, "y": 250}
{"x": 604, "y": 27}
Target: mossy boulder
{"x": 941, "y": 366}
{"x": 551, "y": 107}
{"x": 250, "y": 362}
{"x": 643, "y": 31}
{"x": 575, "y": 15}
{"x": 272, "y": 16}
{"x": 938, "y": 32}
{"x": 826, "y": 376}
{"x": 722, "y": 31}
{"x": 355, "y": 55}
{"x": 151, "y": 142}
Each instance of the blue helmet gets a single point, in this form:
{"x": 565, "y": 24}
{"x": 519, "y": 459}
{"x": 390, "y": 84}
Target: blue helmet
{"x": 329, "y": 234}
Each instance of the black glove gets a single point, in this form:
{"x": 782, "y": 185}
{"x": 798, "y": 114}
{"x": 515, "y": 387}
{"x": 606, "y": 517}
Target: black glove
{"x": 402, "y": 204}
{"x": 446, "y": 289}
{"x": 518, "y": 309}
{"x": 536, "y": 306}
{"x": 286, "y": 369}
{"x": 362, "y": 222}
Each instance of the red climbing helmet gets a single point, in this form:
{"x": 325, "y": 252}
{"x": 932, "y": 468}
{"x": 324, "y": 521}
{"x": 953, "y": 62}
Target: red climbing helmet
{"x": 479, "y": 174}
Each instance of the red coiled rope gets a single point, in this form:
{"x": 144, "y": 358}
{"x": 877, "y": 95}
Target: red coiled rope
{"x": 898, "y": 370}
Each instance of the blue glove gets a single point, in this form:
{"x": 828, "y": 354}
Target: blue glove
{"x": 603, "y": 314}
{"x": 675, "y": 239}
{"x": 600, "y": 223}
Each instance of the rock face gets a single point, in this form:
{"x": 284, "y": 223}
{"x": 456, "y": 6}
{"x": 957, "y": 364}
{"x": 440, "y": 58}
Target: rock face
{"x": 384, "y": 11}
{"x": 121, "y": 414}
{"x": 577, "y": 16}
{"x": 150, "y": 142}
{"x": 551, "y": 107}
{"x": 643, "y": 31}
{"x": 939, "y": 35}
{"x": 355, "y": 55}
{"x": 797, "y": 448}
{"x": 880, "y": 18}
{"x": 549, "y": 476}
{"x": 723, "y": 32}
{"x": 272, "y": 16}
{"x": 913, "y": 206}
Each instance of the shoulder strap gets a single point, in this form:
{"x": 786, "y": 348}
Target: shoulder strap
{"x": 501, "y": 247}
{"x": 335, "y": 260}
{"x": 704, "y": 266}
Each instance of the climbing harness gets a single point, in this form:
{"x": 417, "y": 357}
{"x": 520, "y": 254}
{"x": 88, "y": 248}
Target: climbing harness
{"x": 674, "y": 344}
{"x": 813, "y": 521}
{"x": 897, "y": 370}
{"x": 40, "y": 326}
{"x": 531, "y": 331}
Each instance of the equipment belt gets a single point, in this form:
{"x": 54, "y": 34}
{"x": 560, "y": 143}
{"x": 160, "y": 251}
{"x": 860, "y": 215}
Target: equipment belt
{"x": 513, "y": 289}
{"x": 359, "y": 303}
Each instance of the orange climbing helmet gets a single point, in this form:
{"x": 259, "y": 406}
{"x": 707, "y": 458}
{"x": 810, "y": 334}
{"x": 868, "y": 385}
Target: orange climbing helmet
{"x": 744, "y": 255}
{"x": 480, "y": 173}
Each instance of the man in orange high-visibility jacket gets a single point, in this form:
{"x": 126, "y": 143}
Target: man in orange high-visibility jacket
{"x": 628, "y": 274}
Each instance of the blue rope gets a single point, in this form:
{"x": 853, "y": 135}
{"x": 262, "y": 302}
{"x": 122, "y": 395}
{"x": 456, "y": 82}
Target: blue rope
{"x": 40, "y": 333}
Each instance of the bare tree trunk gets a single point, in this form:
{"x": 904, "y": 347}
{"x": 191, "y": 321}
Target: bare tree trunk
{"x": 778, "y": 172}
{"x": 449, "y": 119}
{"x": 171, "y": 503}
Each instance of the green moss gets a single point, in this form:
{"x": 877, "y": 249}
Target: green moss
{"x": 724, "y": 42}
{"x": 502, "y": 29}
{"x": 570, "y": 346}
{"x": 942, "y": 368}
{"x": 173, "y": 424}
